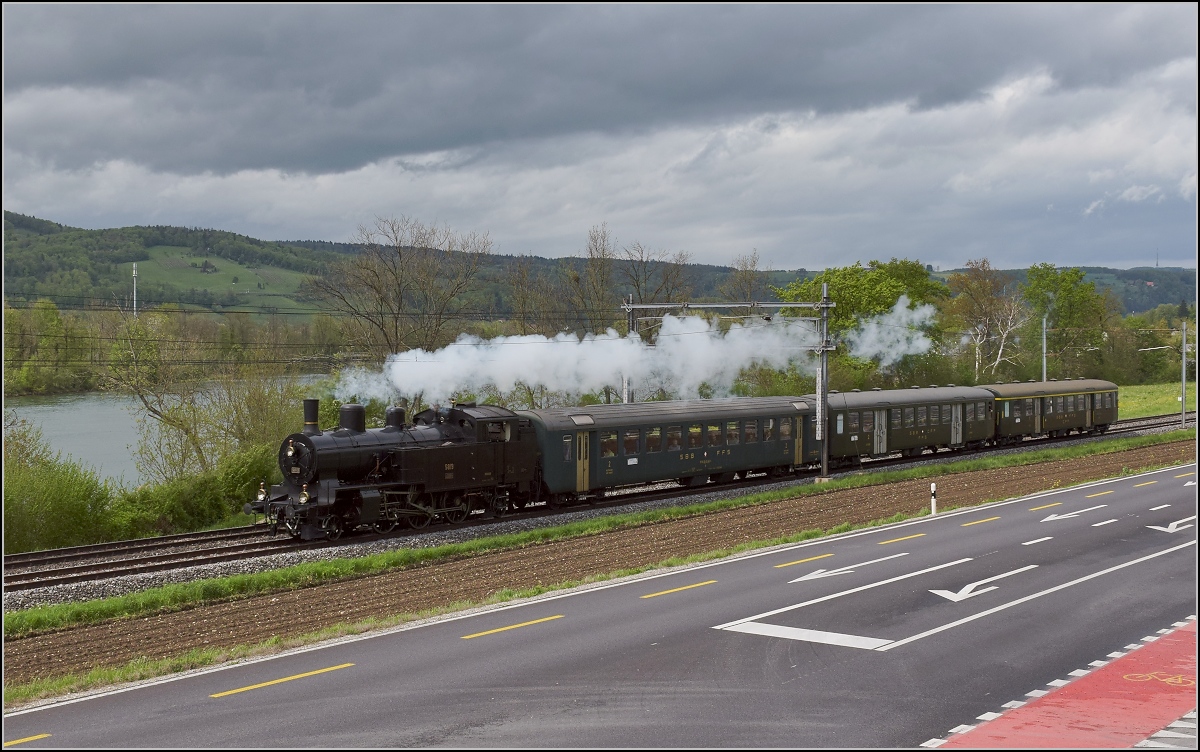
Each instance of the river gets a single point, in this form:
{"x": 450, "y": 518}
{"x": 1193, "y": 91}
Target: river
{"x": 96, "y": 429}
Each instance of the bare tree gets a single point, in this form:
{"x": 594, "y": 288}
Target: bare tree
{"x": 407, "y": 285}
{"x": 590, "y": 291}
{"x": 656, "y": 276}
{"x": 536, "y": 301}
{"x": 987, "y": 303}
{"x": 747, "y": 282}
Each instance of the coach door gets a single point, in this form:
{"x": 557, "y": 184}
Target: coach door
{"x": 1088, "y": 400}
{"x": 1037, "y": 415}
{"x": 582, "y": 461}
{"x": 880, "y": 434}
{"x": 956, "y": 415}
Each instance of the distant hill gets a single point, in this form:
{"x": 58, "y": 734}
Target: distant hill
{"x": 216, "y": 269}
{"x": 1139, "y": 289}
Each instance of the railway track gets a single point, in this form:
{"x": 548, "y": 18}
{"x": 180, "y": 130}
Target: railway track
{"x": 102, "y": 561}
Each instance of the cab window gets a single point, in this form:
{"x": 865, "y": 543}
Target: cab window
{"x": 567, "y": 447}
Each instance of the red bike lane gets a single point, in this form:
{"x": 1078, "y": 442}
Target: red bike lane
{"x": 1118, "y": 704}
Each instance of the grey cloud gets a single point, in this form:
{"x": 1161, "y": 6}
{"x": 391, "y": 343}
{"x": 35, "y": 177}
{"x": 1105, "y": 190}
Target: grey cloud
{"x": 196, "y": 88}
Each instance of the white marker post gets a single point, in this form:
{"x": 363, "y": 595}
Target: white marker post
{"x": 933, "y": 498}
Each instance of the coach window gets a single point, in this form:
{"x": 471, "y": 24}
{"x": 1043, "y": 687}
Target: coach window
{"x": 933, "y": 415}
{"x": 946, "y": 415}
{"x": 608, "y": 443}
{"x": 1016, "y": 409}
{"x": 895, "y": 417}
{"x": 751, "y": 432}
{"x": 1007, "y": 410}
{"x": 852, "y": 422}
{"x": 1061, "y": 408}
{"x": 1029, "y": 407}
{"x": 567, "y": 447}
{"x": 841, "y": 420}
{"x": 981, "y": 410}
{"x": 922, "y": 416}
{"x": 633, "y": 441}
{"x": 768, "y": 429}
{"x": 714, "y": 435}
{"x": 970, "y": 412}
{"x": 1049, "y": 406}
{"x": 868, "y": 423}
{"x": 909, "y": 419}
{"x": 785, "y": 429}
{"x": 732, "y": 434}
{"x": 695, "y": 437}
{"x": 653, "y": 440}
{"x": 674, "y": 438}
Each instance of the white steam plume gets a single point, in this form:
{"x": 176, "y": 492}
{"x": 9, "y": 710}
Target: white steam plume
{"x": 689, "y": 351}
{"x": 890, "y": 336}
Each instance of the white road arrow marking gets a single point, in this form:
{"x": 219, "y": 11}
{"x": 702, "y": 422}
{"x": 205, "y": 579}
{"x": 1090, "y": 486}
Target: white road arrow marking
{"x": 819, "y": 573}
{"x": 1174, "y": 527}
{"x": 1190, "y": 483}
{"x": 1072, "y": 514}
{"x": 969, "y": 591}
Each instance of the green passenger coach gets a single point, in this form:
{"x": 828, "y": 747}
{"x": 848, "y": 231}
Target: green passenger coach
{"x": 594, "y": 447}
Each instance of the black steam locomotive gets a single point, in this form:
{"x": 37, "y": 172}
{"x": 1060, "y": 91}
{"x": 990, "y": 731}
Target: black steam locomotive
{"x": 452, "y": 461}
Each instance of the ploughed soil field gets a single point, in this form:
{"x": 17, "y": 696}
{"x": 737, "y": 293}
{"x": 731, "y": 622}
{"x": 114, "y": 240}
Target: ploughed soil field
{"x": 290, "y": 614}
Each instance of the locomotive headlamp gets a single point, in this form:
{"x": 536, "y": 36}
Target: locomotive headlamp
{"x": 304, "y": 494}
{"x": 291, "y": 452}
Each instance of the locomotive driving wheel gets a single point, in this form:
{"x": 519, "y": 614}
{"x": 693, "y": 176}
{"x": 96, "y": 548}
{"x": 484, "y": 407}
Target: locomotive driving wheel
{"x": 333, "y": 527}
{"x": 458, "y": 508}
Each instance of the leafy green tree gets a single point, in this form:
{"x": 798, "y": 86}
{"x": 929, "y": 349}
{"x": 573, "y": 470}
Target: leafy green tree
{"x": 1076, "y": 314}
{"x": 864, "y": 291}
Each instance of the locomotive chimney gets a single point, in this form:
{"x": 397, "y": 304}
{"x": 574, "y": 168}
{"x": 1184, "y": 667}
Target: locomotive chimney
{"x": 394, "y": 417}
{"x": 310, "y": 417}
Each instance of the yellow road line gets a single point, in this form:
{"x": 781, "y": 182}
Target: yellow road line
{"x": 801, "y": 561}
{"x": 1102, "y": 493}
{"x": 976, "y": 522}
{"x": 280, "y": 681}
{"x": 896, "y": 540}
{"x": 1139, "y": 485}
{"x": 513, "y": 626}
{"x": 1046, "y": 506}
{"x": 676, "y": 590}
{"x": 1184, "y": 475}
{"x": 26, "y": 739}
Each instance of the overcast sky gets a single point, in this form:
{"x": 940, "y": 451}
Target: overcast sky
{"x": 818, "y": 135}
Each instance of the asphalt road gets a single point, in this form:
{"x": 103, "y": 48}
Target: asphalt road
{"x": 879, "y": 638}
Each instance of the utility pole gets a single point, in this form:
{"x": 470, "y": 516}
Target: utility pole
{"x": 631, "y": 328}
{"x": 823, "y": 381}
{"x": 823, "y": 348}
{"x": 1183, "y": 377}
{"x": 135, "y": 289}
{"x": 1043, "y": 348}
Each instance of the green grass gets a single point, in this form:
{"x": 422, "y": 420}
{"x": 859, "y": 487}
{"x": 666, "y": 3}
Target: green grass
{"x": 179, "y": 597}
{"x": 1153, "y": 399}
{"x": 174, "y": 265}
